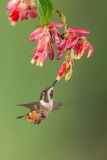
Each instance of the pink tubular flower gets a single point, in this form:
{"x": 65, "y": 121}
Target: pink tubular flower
{"x": 63, "y": 69}
{"x": 46, "y": 36}
{"x": 67, "y": 65}
{"x": 21, "y": 9}
{"x": 71, "y": 40}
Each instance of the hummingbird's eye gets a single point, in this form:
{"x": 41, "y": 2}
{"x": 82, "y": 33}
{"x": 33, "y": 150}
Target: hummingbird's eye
{"x": 45, "y": 91}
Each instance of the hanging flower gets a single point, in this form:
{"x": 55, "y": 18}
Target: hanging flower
{"x": 74, "y": 38}
{"x": 66, "y": 67}
{"x": 74, "y": 45}
{"x": 21, "y": 9}
{"x": 46, "y": 36}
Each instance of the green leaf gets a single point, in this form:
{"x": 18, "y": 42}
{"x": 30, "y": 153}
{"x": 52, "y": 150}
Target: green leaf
{"x": 45, "y": 9}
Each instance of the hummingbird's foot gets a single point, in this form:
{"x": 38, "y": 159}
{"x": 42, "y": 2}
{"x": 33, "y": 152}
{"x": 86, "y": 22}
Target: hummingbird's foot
{"x": 35, "y": 122}
{"x": 39, "y": 122}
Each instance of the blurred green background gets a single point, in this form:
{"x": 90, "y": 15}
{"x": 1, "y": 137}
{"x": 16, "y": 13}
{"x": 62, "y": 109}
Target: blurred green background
{"x": 78, "y": 130}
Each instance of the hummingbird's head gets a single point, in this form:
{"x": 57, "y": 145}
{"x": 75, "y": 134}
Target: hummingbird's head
{"x": 46, "y": 98}
{"x": 47, "y": 94}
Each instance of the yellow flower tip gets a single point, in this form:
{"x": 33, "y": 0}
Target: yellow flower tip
{"x": 41, "y": 64}
{"x": 58, "y": 78}
{"x": 66, "y": 56}
{"x": 13, "y": 24}
{"x": 75, "y": 57}
{"x": 72, "y": 57}
{"x": 32, "y": 61}
{"x": 78, "y": 57}
{"x": 37, "y": 64}
{"x": 88, "y": 55}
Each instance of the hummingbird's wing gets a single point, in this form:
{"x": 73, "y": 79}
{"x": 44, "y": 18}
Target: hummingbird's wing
{"x": 56, "y": 105}
{"x": 32, "y": 106}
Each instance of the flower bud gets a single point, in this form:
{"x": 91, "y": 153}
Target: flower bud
{"x": 68, "y": 75}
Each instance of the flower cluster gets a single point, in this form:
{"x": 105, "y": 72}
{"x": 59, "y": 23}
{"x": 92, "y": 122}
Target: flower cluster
{"x": 21, "y": 9}
{"x": 72, "y": 43}
{"x": 46, "y": 36}
{"x": 75, "y": 45}
{"x": 71, "y": 40}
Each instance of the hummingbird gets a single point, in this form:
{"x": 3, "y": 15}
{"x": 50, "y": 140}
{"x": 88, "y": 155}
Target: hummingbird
{"x": 41, "y": 109}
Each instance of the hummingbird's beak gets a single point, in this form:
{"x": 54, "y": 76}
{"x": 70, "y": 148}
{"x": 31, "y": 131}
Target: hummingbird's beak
{"x": 54, "y": 83}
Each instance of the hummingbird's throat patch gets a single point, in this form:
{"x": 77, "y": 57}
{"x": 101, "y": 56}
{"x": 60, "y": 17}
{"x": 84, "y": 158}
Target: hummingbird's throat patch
{"x": 50, "y": 94}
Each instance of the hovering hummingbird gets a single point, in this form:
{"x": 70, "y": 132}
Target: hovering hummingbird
{"x": 41, "y": 109}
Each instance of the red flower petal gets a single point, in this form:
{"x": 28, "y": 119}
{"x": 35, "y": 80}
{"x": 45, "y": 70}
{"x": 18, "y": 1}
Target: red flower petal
{"x": 50, "y": 51}
{"x": 14, "y": 16}
{"x": 36, "y": 34}
{"x": 64, "y": 67}
{"x": 42, "y": 44}
{"x": 43, "y": 58}
{"x": 57, "y": 41}
{"x": 63, "y": 48}
{"x": 81, "y": 49}
{"x": 72, "y": 42}
{"x": 32, "y": 14}
{"x": 12, "y": 3}
{"x": 36, "y": 55}
{"x": 77, "y": 31}
{"x": 55, "y": 24}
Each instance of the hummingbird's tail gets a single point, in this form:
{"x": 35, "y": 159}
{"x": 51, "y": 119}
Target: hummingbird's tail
{"x": 20, "y": 117}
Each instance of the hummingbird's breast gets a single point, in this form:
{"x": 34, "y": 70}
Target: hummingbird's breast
{"x": 47, "y": 105}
